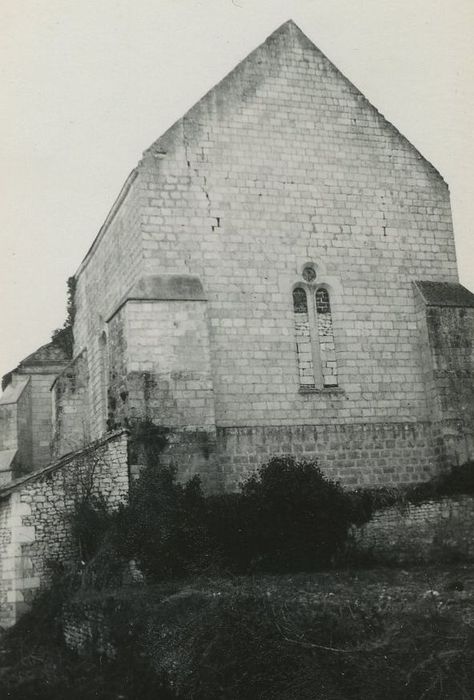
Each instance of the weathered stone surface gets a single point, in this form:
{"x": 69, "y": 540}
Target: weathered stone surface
{"x": 283, "y": 168}
{"x": 430, "y": 531}
{"x": 35, "y": 517}
{"x": 283, "y": 179}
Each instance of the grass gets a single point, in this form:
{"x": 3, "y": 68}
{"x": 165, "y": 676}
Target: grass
{"x": 396, "y": 634}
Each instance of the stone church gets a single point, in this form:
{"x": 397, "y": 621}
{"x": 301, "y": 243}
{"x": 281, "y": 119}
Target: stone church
{"x": 277, "y": 275}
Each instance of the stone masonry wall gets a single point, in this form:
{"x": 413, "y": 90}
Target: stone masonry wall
{"x": 112, "y": 267}
{"x": 6, "y": 576}
{"x": 434, "y": 530}
{"x": 71, "y": 401}
{"x": 451, "y": 332}
{"x": 41, "y": 417}
{"x": 367, "y": 454}
{"x": 35, "y": 516}
{"x": 86, "y": 629}
{"x": 284, "y": 163}
{"x": 15, "y": 427}
{"x": 165, "y": 372}
{"x": 28, "y": 433}
{"x": 446, "y": 349}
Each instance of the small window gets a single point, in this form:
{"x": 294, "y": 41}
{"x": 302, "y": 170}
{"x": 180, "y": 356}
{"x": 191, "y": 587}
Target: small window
{"x": 314, "y": 332}
{"x": 327, "y": 348}
{"x": 303, "y": 337}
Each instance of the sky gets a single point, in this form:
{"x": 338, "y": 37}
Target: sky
{"x": 87, "y": 86}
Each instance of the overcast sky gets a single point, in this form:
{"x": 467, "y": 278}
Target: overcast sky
{"x": 88, "y": 85}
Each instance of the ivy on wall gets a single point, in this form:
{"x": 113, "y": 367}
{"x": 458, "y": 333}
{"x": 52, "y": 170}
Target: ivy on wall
{"x": 64, "y": 337}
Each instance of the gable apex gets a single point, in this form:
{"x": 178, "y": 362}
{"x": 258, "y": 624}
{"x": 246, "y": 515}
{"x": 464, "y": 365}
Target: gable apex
{"x": 234, "y": 92}
{"x": 232, "y": 88}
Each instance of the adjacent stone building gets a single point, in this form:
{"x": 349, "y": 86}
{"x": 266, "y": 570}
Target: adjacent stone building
{"x": 277, "y": 275}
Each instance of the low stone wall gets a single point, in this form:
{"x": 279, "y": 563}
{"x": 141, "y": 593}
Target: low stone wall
{"x": 432, "y": 531}
{"x": 6, "y": 574}
{"x": 86, "y": 630}
{"x": 35, "y": 526}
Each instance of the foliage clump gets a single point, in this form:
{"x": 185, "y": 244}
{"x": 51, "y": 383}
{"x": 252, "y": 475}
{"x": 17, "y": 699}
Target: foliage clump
{"x": 287, "y": 517}
{"x": 291, "y": 517}
{"x": 163, "y": 527}
{"x": 64, "y": 337}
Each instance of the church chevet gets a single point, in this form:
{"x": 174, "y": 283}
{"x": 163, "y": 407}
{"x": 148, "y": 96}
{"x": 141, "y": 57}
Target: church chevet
{"x": 277, "y": 276}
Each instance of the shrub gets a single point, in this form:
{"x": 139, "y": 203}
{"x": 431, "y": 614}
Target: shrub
{"x": 163, "y": 527}
{"x": 287, "y": 517}
{"x": 299, "y": 519}
{"x": 231, "y": 532}
{"x": 460, "y": 479}
{"x": 90, "y": 523}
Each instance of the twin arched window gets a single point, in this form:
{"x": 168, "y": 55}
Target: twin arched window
{"x": 316, "y": 352}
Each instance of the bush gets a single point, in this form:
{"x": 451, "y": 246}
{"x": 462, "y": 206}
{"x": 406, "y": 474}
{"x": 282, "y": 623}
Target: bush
{"x": 231, "y": 533}
{"x": 287, "y": 517}
{"x": 163, "y": 527}
{"x": 459, "y": 479}
{"x": 299, "y": 519}
{"x": 91, "y": 522}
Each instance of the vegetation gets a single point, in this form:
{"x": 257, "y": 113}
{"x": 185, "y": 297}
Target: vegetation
{"x": 215, "y": 621}
{"x": 163, "y": 527}
{"x": 36, "y": 665}
{"x": 287, "y": 517}
{"x": 343, "y": 635}
{"x": 63, "y": 337}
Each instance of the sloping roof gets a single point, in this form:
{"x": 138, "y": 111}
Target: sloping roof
{"x": 445, "y": 294}
{"x": 46, "y": 354}
{"x": 6, "y": 460}
{"x": 13, "y": 393}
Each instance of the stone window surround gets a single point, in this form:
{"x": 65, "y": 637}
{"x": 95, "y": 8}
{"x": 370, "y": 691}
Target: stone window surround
{"x": 333, "y": 288}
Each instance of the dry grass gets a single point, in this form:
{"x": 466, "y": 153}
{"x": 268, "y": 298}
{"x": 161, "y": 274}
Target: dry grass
{"x": 392, "y": 634}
